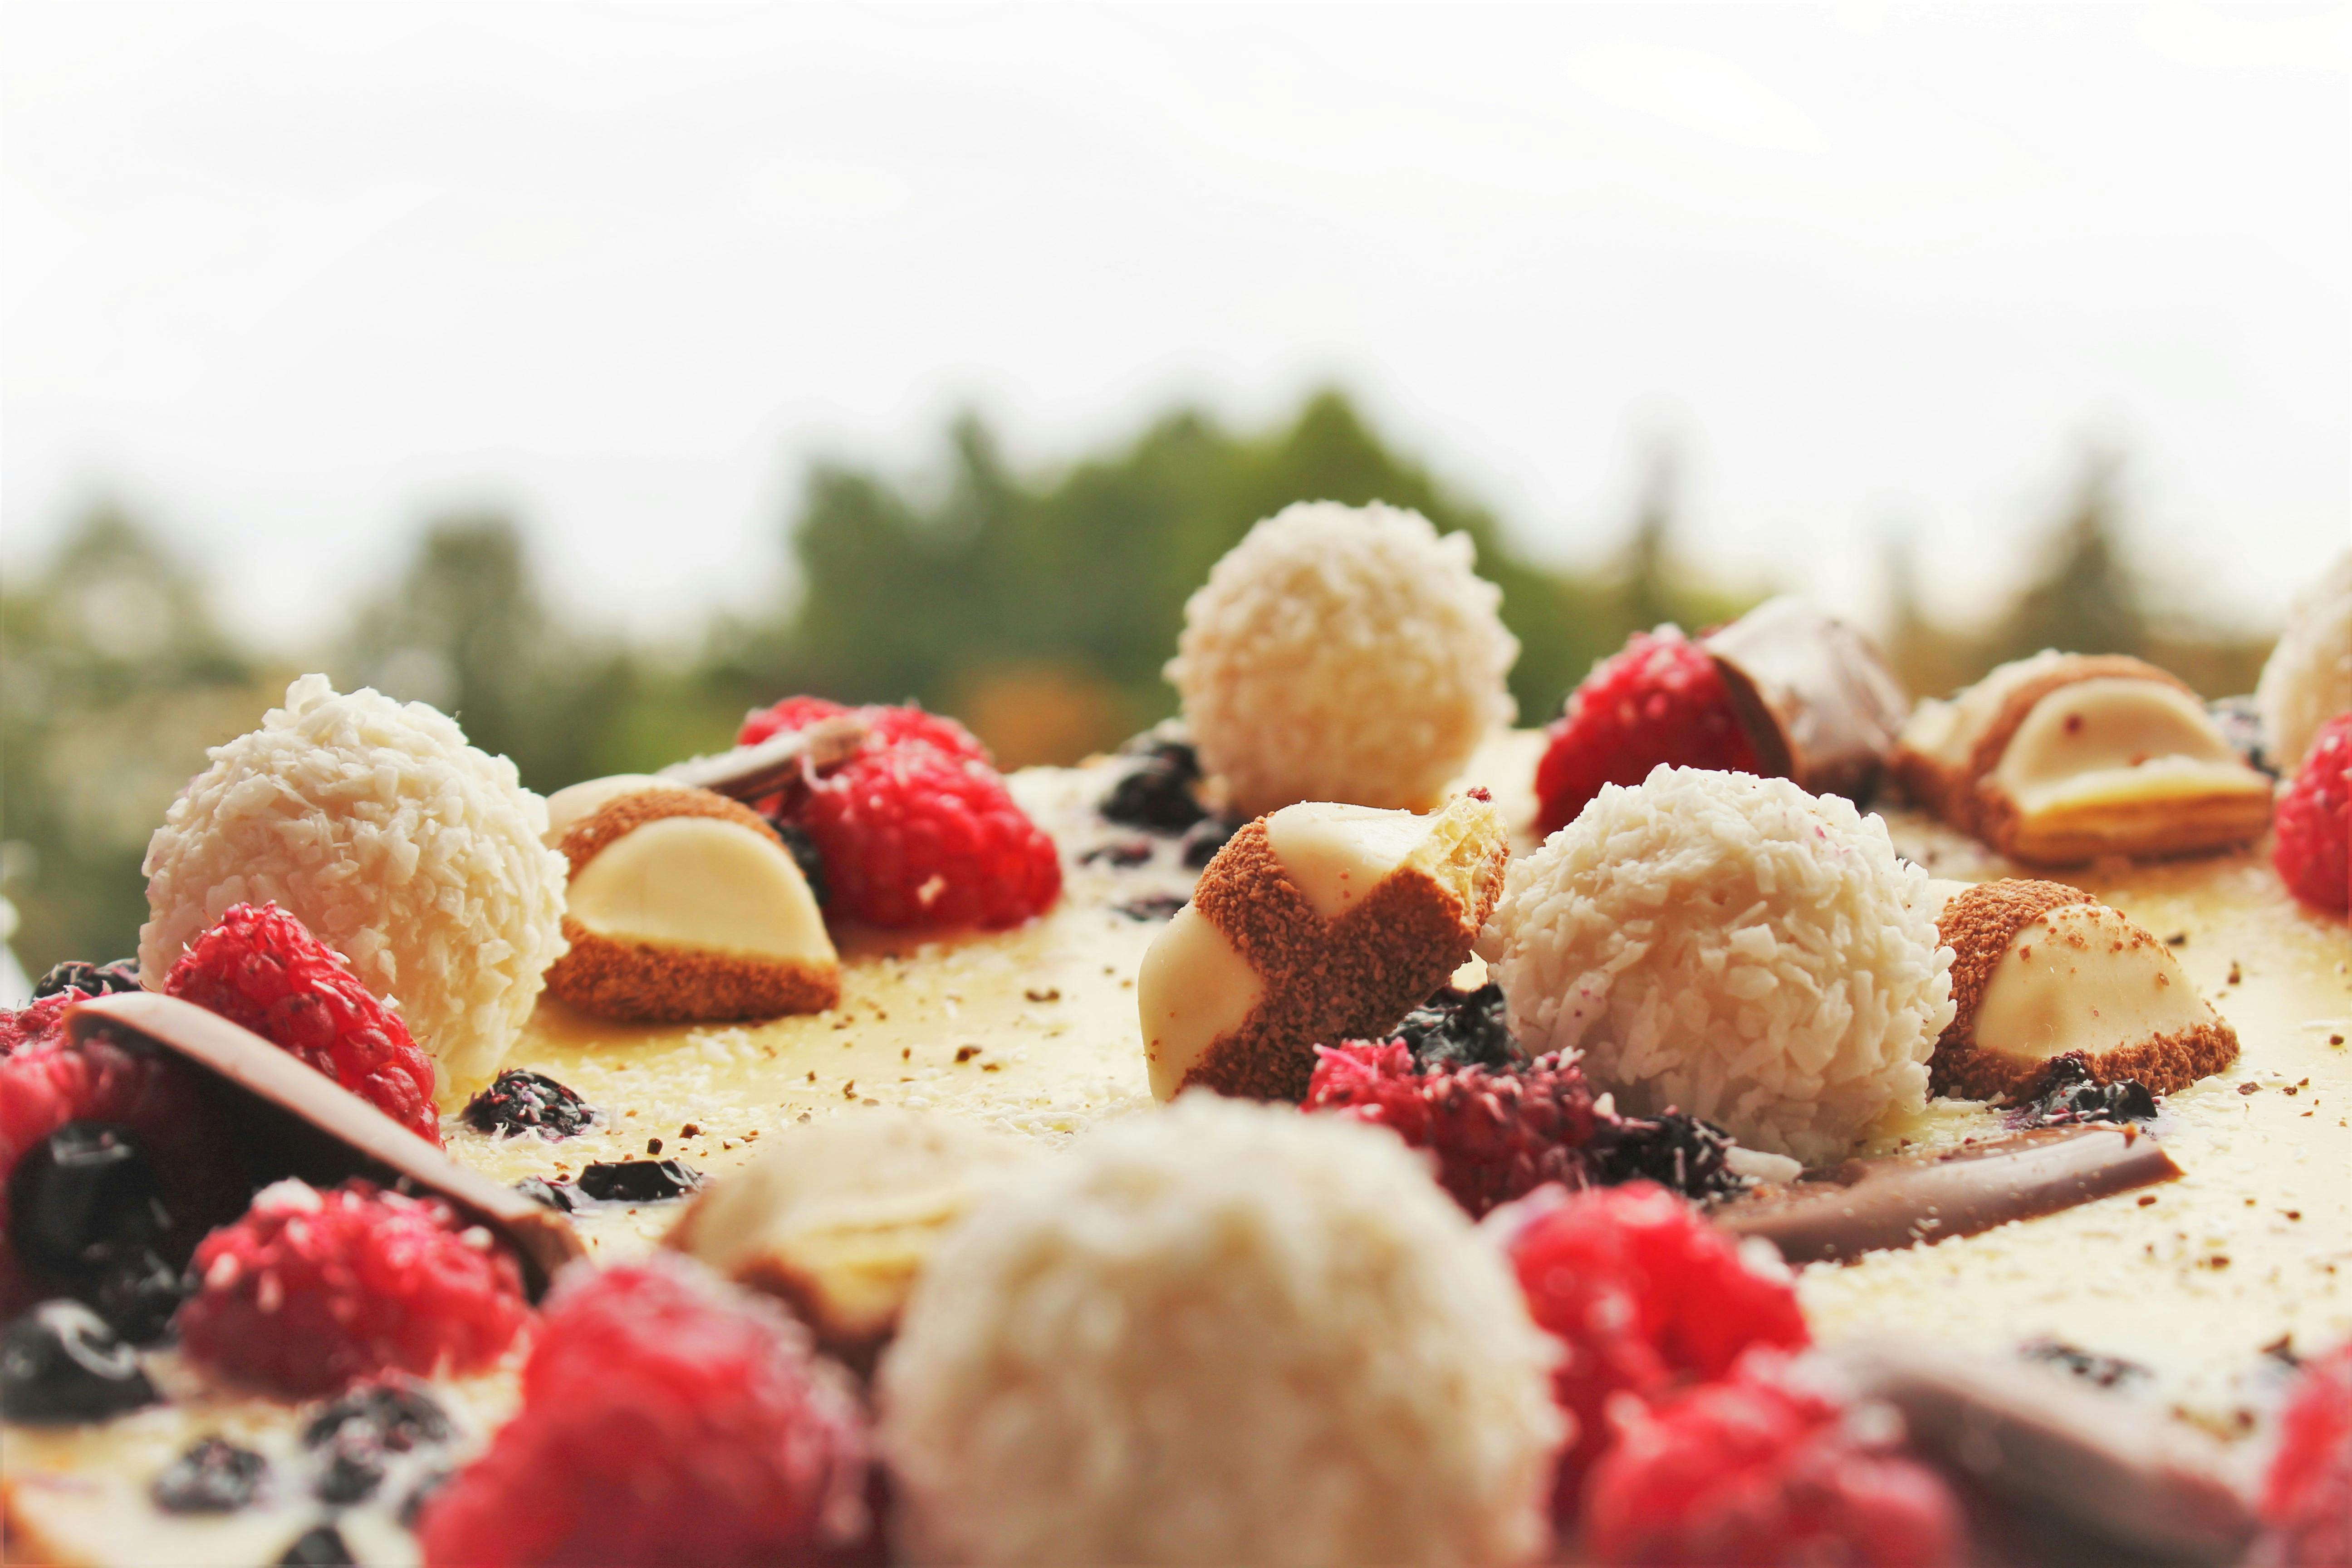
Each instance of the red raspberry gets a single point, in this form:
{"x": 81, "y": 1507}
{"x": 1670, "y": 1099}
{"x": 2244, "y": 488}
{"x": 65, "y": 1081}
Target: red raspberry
{"x": 1660, "y": 700}
{"x": 1761, "y": 1469}
{"x": 2314, "y": 822}
{"x": 311, "y": 1291}
{"x": 666, "y": 1417}
{"x": 41, "y": 1023}
{"x": 886, "y": 725}
{"x": 1496, "y": 1135}
{"x": 1644, "y": 1296}
{"x": 52, "y": 1081}
{"x": 261, "y": 967}
{"x": 2306, "y": 1505}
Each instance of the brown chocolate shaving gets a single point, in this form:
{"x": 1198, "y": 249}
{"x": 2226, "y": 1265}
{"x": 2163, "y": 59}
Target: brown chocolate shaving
{"x": 1904, "y": 1200}
{"x": 290, "y": 1119}
{"x": 747, "y": 773}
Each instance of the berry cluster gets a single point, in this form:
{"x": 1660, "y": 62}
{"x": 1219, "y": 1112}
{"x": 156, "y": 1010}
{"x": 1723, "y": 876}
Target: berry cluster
{"x": 916, "y": 829}
{"x": 666, "y": 1417}
{"x": 1646, "y": 1297}
{"x": 2307, "y": 1501}
{"x": 1660, "y": 702}
{"x": 2314, "y": 852}
{"x": 311, "y": 1290}
{"x": 261, "y": 967}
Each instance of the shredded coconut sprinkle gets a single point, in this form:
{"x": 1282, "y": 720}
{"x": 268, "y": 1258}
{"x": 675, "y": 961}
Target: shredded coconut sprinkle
{"x": 1734, "y": 948}
{"x": 412, "y": 854}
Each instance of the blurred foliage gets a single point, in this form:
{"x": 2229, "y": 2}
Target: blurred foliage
{"x": 1038, "y": 607}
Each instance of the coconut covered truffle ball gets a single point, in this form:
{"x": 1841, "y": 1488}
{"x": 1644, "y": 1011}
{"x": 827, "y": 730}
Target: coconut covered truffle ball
{"x": 1343, "y": 654}
{"x": 2307, "y": 680}
{"x": 1733, "y": 948}
{"x": 374, "y": 823}
{"x": 1222, "y": 1332}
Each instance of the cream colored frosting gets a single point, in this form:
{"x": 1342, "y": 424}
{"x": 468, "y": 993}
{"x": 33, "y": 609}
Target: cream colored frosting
{"x": 2083, "y": 978}
{"x": 2116, "y": 739}
{"x": 1192, "y": 987}
{"x": 575, "y": 803}
{"x": 1337, "y": 853}
{"x": 703, "y": 883}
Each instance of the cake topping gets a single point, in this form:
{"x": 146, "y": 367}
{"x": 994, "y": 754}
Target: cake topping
{"x": 60, "y": 1363}
{"x": 224, "y": 1087}
{"x": 258, "y": 967}
{"x": 1731, "y": 947}
{"x": 2063, "y": 757}
{"x": 2314, "y": 822}
{"x": 1768, "y": 1465}
{"x": 839, "y": 1218}
{"x": 2306, "y": 1497}
{"x": 915, "y": 827}
{"x": 1323, "y": 1361}
{"x": 2307, "y": 678}
{"x": 1659, "y": 702}
{"x": 683, "y": 906}
{"x": 311, "y": 1290}
{"x": 1321, "y": 924}
{"x": 374, "y": 823}
{"x": 1157, "y": 791}
{"x": 2042, "y": 972}
{"x": 1816, "y": 698}
{"x": 1645, "y": 1299}
{"x": 89, "y": 979}
{"x": 1342, "y": 654}
{"x": 1905, "y": 1200}
{"x": 668, "y": 1417}
{"x": 519, "y": 1101}
{"x": 214, "y": 1476}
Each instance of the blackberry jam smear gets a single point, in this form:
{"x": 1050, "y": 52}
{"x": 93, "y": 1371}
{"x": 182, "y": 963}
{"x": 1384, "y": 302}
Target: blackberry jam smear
{"x": 214, "y": 1476}
{"x": 1156, "y": 793}
{"x": 520, "y": 1101}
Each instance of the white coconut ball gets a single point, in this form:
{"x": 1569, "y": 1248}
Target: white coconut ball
{"x": 412, "y": 854}
{"x": 1345, "y": 654}
{"x": 1220, "y": 1333}
{"x": 1734, "y": 948}
{"x": 2307, "y": 680}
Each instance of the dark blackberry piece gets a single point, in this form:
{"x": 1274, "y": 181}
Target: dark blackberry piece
{"x": 519, "y": 1101}
{"x": 2069, "y": 1095}
{"x": 1467, "y": 1027}
{"x": 804, "y": 855}
{"x": 113, "y": 979}
{"x": 2241, "y": 726}
{"x": 1205, "y": 837}
{"x": 557, "y": 1195}
{"x": 60, "y": 1363}
{"x": 2098, "y": 1371}
{"x": 321, "y": 1546}
{"x": 215, "y": 1475}
{"x": 357, "y": 1434}
{"x": 1156, "y": 794}
{"x": 1674, "y": 1150}
{"x": 639, "y": 1181}
{"x": 137, "y": 1292}
{"x": 1153, "y": 906}
{"x": 81, "y": 1195}
{"x": 1123, "y": 854}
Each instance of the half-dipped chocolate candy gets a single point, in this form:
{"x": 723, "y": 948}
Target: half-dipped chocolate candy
{"x": 683, "y": 906}
{"x": 2063, "y": 757}
{"x": 1315, "y": 924}
{"x": 1816, "y": 697}
{"x": 2042, "y": 972}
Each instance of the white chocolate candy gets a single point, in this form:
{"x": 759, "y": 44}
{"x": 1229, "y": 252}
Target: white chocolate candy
{"x": 1192, "y": 989}
{"x": 575, "y": 803}
{"x": 2083, "y": 978}
{"x": 699, "y": 882}
{"x": 1335, "y": 854}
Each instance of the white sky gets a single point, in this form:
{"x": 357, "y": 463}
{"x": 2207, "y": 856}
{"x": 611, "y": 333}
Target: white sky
{"x": 287, "y": 279}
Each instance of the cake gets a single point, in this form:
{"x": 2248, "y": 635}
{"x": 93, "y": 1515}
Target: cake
{"x": 955, "y": 1177}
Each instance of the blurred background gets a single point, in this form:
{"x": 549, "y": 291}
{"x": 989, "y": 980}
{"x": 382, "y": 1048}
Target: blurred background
{"x": 596, "y": 372}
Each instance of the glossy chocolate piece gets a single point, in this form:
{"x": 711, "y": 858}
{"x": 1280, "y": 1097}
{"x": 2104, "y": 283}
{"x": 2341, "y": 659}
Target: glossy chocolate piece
{"x": 290, "y": 1119}
{"x": 747, "y": 773}
{"x": 2080, "y": 1476}
{"x": 1816, "y": 698}
{"x": 1902, "y": 1200}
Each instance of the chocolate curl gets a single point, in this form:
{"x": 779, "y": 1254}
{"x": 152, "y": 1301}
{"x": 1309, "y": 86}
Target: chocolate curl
{"x": 1904, "y": 1200}
{"x": 1815, "y": 697}
{"x": 749, "y": 773}
{"x": 290, "y": 1119}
